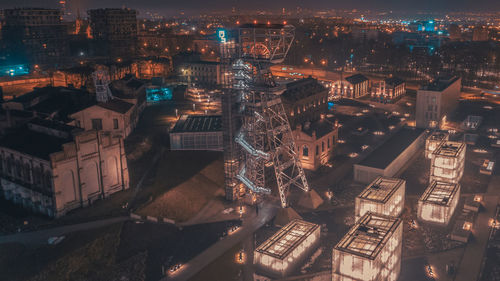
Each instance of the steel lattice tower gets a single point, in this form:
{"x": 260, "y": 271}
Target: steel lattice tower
{"x": 265, "y": 135}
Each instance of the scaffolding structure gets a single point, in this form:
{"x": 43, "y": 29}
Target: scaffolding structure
{"x": 448, "y": 161}
{"x": 231, "y": 119}
{"x": 438, "y": 203}
{"x": 433, "y": 141}
{"x": 279, "y": 254}
{"x": 101, "y": 83}
{"x": 384, "y": 196}
{"x": 265, "y": 137}
{"x": 371, "y": 250}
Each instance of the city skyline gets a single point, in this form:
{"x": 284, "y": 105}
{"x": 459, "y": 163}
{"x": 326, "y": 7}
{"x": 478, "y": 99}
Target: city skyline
{"x": 170, "y": 8}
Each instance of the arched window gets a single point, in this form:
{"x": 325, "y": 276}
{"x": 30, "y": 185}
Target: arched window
{"x": 9, "y": 165}
{"x": 305, "y": 151}
{"x": 19, "y": 169}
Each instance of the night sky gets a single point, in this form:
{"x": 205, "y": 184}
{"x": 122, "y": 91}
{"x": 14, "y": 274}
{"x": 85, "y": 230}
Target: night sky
{"x": 173, "y": 7}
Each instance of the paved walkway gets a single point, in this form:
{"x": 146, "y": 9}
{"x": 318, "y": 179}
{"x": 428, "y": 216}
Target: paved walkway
{"x": 250, "y": 225}
{"x": 41, "y": 236}
{"x": 470, "y": 265}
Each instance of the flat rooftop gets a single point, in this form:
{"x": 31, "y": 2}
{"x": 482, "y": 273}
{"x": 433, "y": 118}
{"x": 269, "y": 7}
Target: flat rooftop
{"x": 438, "y": 135}
{"x": 287, "y": 239}
{"x": 367, "y": 237}
{"x": 198, "y": 123}
{"x": 386, "y": 153}
{"x": 440, "y": 84}
{"x": 439, "y": 193}
{"x": 33, "y": 143}
{"x": 450, "y": 149}
{"x": 381, "y": 189}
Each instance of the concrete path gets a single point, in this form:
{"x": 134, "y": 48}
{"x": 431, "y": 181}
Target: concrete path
{"x": 250, "y": 225}
{"x": 41, "y": 236}
{"x": 470, "y": 265}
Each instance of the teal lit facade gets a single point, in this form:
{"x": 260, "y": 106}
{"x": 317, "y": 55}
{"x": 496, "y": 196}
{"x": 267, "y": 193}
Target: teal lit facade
{"x": 14, "y": 70}
{"x": 159, "y": 94}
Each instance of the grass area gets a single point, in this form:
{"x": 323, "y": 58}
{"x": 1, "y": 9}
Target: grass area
{"x": 182, "y": 184}
{"x": 80, "y": 256}
{"x": 224, "y": 268}
{"x": 85, "y": 263}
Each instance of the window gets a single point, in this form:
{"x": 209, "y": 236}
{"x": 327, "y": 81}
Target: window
{"x": 322, "y": 146}
{"x": 328, "y": 143}
{"x": 115, "y": 123}
{"x": 317, "y": 149}
{"x": 305, "y": 151}
{"x": 97, "y": 124}
{"x": 78, "y": 124}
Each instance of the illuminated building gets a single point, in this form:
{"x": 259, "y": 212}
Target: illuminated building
{"x": 156, "y": 94}
{"x": 389, "y": 89}
{"x": 433, "y": 141}
{"x": 316, "y": 142}
{"x": 480, "y": 33}
{"x": 35, "y": 35}
{"x": 436, "y": 101}
{"x": 63, "y": 169}
{"x": 384, "y": 196}
{"x": 14, "y": 70}
{"x": 197, "y": 132}
{"x": 281, "y": 253}
{"x": 115, "y": 31}
{"x": 447, "y": 163}
{"x": 472, "y": 122}
{"x": 305, "y": 102}
{"x": 438, "y": 202}
{"x": 354, "y": 86}
{"x": 203, "y": 74}
{"x": 371, "y": 250}
{"x": 394, "y": 88}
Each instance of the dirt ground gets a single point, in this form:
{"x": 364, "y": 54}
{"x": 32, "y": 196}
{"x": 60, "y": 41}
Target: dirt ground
{"x": 184, "y": 185}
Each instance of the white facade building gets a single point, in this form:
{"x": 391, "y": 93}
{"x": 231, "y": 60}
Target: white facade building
{"x": 384, "y": 195}
{"x": 436, "y": 101}
{"x": 433, "y": 141}
{"x": 48, "y": 171}
{"x": 197, "y": 132}
{"x": 438, "y": 202}
{"x": 371, "y": 250}
{"x": 448, "y": 161}
{"x": 278, "y": 255}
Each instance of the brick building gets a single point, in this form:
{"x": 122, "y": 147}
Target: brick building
{"x": 305, "y": 102}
